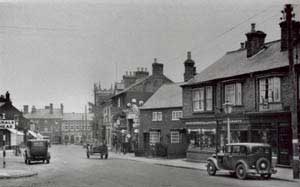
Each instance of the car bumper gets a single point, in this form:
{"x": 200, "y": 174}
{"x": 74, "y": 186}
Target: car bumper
{"x": 254, "y": 171}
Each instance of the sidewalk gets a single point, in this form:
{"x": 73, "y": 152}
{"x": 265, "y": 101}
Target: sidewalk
{"x": 282, "y": 173}
{"x": 15, "y": 166}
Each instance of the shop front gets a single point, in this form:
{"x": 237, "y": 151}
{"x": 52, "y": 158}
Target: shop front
{"x": 9, "y": 136}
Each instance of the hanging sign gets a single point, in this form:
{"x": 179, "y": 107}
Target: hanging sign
{"x": 5, "y": 124}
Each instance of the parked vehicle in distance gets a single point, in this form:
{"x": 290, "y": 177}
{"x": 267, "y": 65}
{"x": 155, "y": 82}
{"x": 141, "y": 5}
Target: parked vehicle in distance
{"x": 242, "y": 159}
{"x": 101, "y": 148}
{"x": 36, "y": 150}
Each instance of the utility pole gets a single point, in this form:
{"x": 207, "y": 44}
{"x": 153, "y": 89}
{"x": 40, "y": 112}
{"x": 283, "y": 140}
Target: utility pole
{"x": 294, "y": 101}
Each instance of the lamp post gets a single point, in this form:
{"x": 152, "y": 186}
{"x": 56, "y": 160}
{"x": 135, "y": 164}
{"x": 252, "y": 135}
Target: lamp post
{"x": 228, "y": 109}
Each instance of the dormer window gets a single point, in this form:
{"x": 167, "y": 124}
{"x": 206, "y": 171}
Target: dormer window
{"x": 269, "y": 90}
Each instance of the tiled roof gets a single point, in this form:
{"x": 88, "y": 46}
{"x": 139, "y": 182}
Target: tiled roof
{"x": 44, "y": 114}
{"x": 167, "y": 96}
{"x": 76, "y": 116}
{"x": 236, "y": 63}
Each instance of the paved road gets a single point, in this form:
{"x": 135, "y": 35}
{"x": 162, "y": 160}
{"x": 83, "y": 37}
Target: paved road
{"x": 70, "y": 167}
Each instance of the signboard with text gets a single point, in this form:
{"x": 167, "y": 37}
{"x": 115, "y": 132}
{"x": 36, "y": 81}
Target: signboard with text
{"x": 7, "y": 124}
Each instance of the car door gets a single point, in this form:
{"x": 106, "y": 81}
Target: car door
{"x": 227, "y": 157}
{"x": 238, "y": 152}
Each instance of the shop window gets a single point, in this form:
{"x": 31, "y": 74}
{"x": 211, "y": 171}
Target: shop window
{"x": 203, "y": 99}
{"x": 233, "y": 93}
{"x": 269, "y": 90}
{"x": 175, "y": 138}
{"x": 156, "y": 116}
{"x": 202, "y": 138}
{"x": 154, "y": 137}
{"x": 176, "y": 115}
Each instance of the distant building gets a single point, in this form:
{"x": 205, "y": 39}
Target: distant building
{"x": 77, "y": 128}
{"x": 46, "y": 121}
{"x": 13, "y": 125}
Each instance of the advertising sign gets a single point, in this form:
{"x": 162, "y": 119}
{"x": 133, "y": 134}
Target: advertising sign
{"x": 7, "y": 124}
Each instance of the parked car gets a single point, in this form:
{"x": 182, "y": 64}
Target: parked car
{"x": 37, "y": 150}
{"x": 242, "y": 159}
{"x": 97, "y": 148}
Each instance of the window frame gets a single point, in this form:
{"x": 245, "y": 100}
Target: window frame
{"x": 200, "y": 99}
{"x": 237, "y": 91}
{"x": 269, "y": 90}
{"x": 176, "y": 115}
{"x": 172, "y": 134}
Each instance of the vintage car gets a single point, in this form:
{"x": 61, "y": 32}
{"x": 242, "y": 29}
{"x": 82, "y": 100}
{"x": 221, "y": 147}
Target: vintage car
{"x": 37, "y": 150}
{"x": 243, "y": 159}
{"x": 91, "y": 149}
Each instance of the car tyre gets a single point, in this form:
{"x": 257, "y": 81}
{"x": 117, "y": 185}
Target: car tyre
{"x": 106, "y": 156}
{"x": 25, "y": 161}
{"x": 211, "y": 168}
{"x": 241, "y": 172}
{"x": 48, "y": 161}
{"x": 266, "y": 176}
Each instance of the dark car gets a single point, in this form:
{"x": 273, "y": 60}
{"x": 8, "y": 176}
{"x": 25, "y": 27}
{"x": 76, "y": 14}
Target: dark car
{"x": 242, "y": 159}
{"x": 101, "y": 149}
{"x": 37, "y": 150}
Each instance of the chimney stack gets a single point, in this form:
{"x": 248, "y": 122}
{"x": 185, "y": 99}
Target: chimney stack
{"x": 33, "y": 109}
{"x": 284, "y": 35}
{"x": 255, "y": 41}
{"x": 61, "y": 108}
{"x": 141, "y": 73}
{"x": 25, "y": 109}
{"x": 157, "y": 68}
{"x": 51, "y": 108}
{"x": 189, "y": 68}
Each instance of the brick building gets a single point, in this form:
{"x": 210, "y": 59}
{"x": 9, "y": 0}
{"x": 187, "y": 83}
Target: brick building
{"x": 160, "y": 122}
{"x": 138, "y": 88}
{"x": 76, "y": 128}
{"x": 255, "y": 80}
{"x": 13, "y": 126}
{"x": 46, "y": 121}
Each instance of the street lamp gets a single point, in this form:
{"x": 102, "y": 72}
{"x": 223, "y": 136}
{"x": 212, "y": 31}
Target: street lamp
{"x": 228, "y": 109}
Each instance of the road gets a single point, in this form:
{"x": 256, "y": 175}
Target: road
{"x": 70, "y": 167}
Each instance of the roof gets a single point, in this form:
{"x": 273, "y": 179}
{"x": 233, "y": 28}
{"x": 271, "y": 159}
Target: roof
{"x": 236, "y": 63}
{"x": 167, "y": 96}
{"x": 137, "y": 82}
{"x": 44, "y": 114}
{"x": 76, "y": 116}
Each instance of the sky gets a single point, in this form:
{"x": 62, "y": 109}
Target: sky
{"x": 53, "y": 51}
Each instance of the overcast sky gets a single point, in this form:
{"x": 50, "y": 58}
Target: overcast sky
{"x": 52, "y": 51}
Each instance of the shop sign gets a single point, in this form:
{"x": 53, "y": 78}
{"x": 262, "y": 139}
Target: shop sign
{"x": 201, "y": 123}
{"x": 234, "y": 121}
{"x": 5, "y": 124}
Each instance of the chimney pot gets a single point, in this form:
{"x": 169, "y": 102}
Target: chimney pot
{"x": 155, "y": 60}
{"x": 252, "y": 27}
{"x": 189, "y": 55}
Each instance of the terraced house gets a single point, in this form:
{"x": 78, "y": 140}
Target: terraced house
{"x": 255, "y": 80}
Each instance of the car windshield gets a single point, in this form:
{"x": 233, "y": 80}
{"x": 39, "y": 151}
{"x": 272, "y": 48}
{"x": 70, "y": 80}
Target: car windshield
{"x": 261, "y": 150}
{"x": 38, "y": 144}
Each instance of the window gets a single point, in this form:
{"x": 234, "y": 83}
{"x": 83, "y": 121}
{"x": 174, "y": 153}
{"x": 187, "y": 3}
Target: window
{"x": 269, "y": 90}
{"x": 233, "y": 93}
{"x": 154, "y": 137}
{"x": 176, "y": 115}
{"x": 203, "y": 99}
{"x": 156, "y": 116}
{"x": 175, "y": 137}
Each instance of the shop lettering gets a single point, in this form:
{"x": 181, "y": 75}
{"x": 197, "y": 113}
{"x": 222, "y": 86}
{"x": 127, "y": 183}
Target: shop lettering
{"x": 5, "y": 124}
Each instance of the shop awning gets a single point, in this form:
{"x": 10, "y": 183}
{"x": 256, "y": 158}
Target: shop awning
{"x": 35, "y": 135}
{"x": 14, "y": 131}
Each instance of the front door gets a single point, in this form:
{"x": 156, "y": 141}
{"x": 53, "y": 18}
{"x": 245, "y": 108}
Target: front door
{"x": 146, "y": 140}
{"x": 284, "y": 145}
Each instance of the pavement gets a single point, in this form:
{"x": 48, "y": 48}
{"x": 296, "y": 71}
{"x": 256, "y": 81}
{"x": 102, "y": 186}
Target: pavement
{"x": 15, "y": 166}
{"x": 282, "y": 173}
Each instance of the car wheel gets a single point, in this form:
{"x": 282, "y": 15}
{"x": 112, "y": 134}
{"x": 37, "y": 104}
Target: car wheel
{"x": 263, "y": 164}
{"x": 241, "y": 172}
{"x": 87, "y": 155}
{"x": 266, "y": 176}
{"x": 211, "y": 168}
{"x": 106, "y": 156}
{"x": 43, "y": 161}
{"x": 25, "y": 161}
{"x": 101, "y": 156}
{"x": 29, "y": 161}
{"x": 48, "y": 161}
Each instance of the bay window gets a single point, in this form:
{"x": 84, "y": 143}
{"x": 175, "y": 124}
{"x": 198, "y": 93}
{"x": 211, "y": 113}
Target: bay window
{"x": 175, "y": 138}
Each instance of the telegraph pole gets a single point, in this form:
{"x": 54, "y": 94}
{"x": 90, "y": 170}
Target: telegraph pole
{"x": 294, "y": 101}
